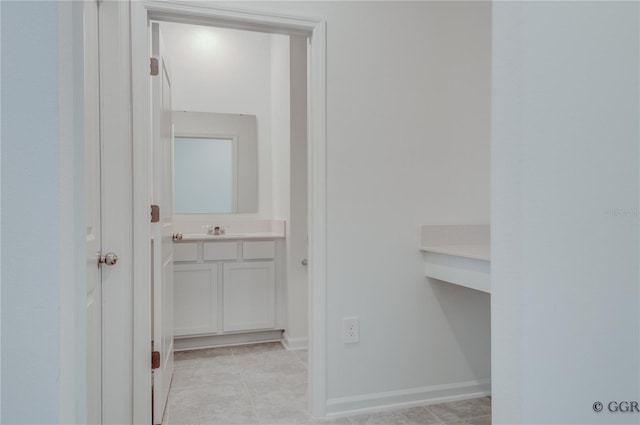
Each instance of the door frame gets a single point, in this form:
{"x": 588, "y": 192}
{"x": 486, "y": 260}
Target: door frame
{"x": 204, "y": 14}
{"x": 72, "y": 235}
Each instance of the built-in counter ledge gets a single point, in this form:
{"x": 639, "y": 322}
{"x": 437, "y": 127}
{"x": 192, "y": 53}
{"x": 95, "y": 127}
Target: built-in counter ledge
{"x": 190, "y": 237}
{"x": 458, "y": 254}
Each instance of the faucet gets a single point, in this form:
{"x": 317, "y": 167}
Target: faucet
{"x": 217, "y": 230}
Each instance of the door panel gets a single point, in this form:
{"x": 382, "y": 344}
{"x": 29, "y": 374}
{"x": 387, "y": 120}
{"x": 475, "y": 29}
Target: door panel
{"x": 248, "y": 296}
{"x": 162, "y": 231}
{"x": 196, "y": 299}
{"x": 93, "y": 207}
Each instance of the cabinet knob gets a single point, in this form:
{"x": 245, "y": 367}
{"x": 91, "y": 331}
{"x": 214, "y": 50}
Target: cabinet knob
{"x": 305, "y": 262}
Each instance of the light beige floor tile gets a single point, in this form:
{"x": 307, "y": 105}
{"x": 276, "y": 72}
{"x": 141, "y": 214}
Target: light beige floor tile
{"x": 207, "y": 365}
{"x": 482, "y": 420}
{"x": 275, "y": 357}
{"x": 282, "y": 414}
{"x": 201, "y": 374}
{"x": 220, "y": 388}
{"x": 279, "y": 368}
{"x": 276, "y": 371}
{"x": 265, "y": 392}
{"x": 205, "y": 407}
{"x": 242, "y": 350}
{"x": 333, "y": 421}
{"x": 206, "y": 353}
{"x": 410, "y": 416}
{"x": 463, "y": 409}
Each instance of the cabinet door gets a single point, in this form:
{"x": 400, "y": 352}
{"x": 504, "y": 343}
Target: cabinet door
{"x": 195, "y": 298}
{"x": 249, "y": 296}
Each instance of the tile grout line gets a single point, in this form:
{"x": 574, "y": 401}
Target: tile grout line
{"x": 349, "y": 420}
{"x": 244, "y": 384}
{"x": 440, "y": 421}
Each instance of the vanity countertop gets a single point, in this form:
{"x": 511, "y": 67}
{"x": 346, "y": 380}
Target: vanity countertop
{"x": 187, "y": 237}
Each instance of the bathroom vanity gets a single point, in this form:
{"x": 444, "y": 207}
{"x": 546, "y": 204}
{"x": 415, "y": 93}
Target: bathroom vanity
{"x": 228, "y": 289}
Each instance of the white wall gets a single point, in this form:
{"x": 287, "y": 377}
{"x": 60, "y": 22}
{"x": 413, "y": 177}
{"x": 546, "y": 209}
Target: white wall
{"x": 407, "y": 144}
{"x": 30, "y": 229}
{"x": 565, "y": 202}
{"x": 280, "y": 119}
{"x": 36, "y": 268}
{"x": 229, "y": 71}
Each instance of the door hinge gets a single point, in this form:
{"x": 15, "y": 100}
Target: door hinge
{"x": 155, "y": 359}
{"x": 155, "y": 68}
{"x": 155, "y": 213}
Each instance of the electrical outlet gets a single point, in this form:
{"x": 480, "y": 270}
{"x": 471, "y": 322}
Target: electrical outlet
{"x": 350, "y": 330}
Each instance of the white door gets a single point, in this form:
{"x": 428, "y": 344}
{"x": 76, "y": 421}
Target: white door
{"x": 162, "y": 231}
{"x": 93, "y": 211}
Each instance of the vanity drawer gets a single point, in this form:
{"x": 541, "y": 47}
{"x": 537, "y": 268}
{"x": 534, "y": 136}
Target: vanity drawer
{"x": 185, "y": 251}
{"x": 258, "y": 250}
{"x": 220, "y": 251}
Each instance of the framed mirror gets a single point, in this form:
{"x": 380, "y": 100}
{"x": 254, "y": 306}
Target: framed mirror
{"x": 215, "y": 163}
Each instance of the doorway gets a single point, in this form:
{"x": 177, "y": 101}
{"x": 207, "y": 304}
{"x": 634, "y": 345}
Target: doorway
{"x": 141, "y": 14}
{"x": 239, "y": 101}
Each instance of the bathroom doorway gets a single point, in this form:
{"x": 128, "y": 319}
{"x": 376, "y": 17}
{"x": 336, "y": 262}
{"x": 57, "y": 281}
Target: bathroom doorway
{"x": 313, "y": 34}
{"x": 249, "y": 90}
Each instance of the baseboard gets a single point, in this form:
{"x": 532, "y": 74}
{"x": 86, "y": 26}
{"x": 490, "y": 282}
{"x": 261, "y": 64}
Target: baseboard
{"x": 212, "y": 341}
{"x": 376, "y": 402}
{"x": 294, "y": 344}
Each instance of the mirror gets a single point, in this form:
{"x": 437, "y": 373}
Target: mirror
{"x": 215, "y": 163}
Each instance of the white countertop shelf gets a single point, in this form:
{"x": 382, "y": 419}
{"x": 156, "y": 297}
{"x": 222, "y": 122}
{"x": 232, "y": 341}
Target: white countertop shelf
{"x": 475, "y": 251}
{"x": 458, "y": 254}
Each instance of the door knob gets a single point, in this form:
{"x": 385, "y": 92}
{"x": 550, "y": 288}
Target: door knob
{"x": 108, "y": 259}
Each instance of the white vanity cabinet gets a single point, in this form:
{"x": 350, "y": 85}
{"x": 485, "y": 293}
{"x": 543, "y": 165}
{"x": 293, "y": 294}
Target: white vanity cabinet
{"x": 225, "y": 287}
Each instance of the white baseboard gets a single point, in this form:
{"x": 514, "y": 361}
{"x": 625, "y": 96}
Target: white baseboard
{"x": 211, "y": 341}
{"x": 377, "y": 402}
{"x": 294, "y": 344}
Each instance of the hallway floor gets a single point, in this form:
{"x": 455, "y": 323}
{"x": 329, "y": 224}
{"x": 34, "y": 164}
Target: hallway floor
{"x": 266, "y": 384}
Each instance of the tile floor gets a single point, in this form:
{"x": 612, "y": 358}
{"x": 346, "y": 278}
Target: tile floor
{"x": 266, "y": 384}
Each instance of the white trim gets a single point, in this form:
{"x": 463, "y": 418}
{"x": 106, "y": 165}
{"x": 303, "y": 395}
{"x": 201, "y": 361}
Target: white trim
{"x": 226, "y": 340}
{"x": 61, "y": 369}
{"x": 317, "y": 195}
{"x": 71, "y": 239}
{"x": 142, "y": 140}
{"x": 377, "y": 402}
{"x": 294, "y": 344}
{"x": 117, "y": 217}
{"x": 199, "y": 13}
